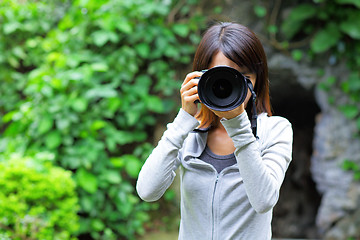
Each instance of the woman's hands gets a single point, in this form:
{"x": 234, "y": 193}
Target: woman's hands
{"x": 230, "y": 114}
{"x": 189, "y": 93}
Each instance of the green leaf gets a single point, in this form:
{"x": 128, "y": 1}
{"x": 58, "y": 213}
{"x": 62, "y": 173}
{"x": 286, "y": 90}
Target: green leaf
{"x": 13, "y": 62}
{"x": 357, "y": 175}
{"x": 297, "y": 55}
{"x": 11, "y": 27}
{"x": 354, "y": 2}
{"x": 272, "y": 29}
{"x": 181, "y": 29}
{"x": 117, "y": 162}
{"x": 171, "y": 51}
{"x": 79, "y": 104}
{"x": 124, "y": 26}
{"x": 331, "y": 80}
{"x": 155, "y": 104}
{"x": 53, "y": 139}
{"x": 303, "y": 12}
{"x": 87, "y": 203}
{"x": 86, "y": 180}
{"x": 351, "y": 26}
{"x": 112, "y": 176}
{"x": 11, "y": 116}
{"x": 19, "y": 52}
{"x": 13, "y": 129}
{"x": 100, "y": 67}
{"x": 349, "y": 165}
{"x": 350, "y": 111}
{"x": 260, "y": 11}
{"x": 326, "y": 38}
{"x": 143, "y": 83}
{"x": 143, "y": 50}
{"x": 218, "y": 10}
{"x": 354, "y": 81}
{"x": 98, "y": 124}
{"x": 114, "y": 104}
{"x": 132, "y": 117}
{"x": 132, "y": 165}
{"x": 294, "y": 22}
{"x": 45, "y": 124}
{"x": 169, "y": 195}
{"x": 328, "y": 83}
{"x": 101, "y": 91}
{"x": 100, "y": 38}
{"x": 352, "y": 84}
{"x": 97, "y": 224}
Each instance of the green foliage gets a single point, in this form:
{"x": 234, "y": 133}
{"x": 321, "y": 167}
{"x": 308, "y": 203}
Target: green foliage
{"x": 85, "y": 80}
{"x": 326, "y": 38}
{"x": 260, "y": 11}
{"x": 349, "y": 165}
{"x": 333, "y": 30}
{"x": 37, "y": 200}
{"x": 297, "y": 18}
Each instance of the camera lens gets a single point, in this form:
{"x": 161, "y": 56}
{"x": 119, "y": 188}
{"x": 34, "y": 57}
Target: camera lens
{"x": 222, "y": 88}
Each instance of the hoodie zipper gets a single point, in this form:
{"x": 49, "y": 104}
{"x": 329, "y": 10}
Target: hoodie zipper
{"x": 213, "y": 209}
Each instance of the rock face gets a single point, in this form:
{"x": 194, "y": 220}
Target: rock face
{"x": 334, "y": 142}
{"x": 335, "y": 201}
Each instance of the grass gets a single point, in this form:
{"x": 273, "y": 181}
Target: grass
{"x": 161, "y": 236}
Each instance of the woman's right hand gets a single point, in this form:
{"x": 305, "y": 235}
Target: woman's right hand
{"x": 189, "y": 93}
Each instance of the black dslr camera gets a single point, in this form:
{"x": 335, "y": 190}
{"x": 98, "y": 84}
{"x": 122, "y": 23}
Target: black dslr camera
{"x": 224, "y": 88}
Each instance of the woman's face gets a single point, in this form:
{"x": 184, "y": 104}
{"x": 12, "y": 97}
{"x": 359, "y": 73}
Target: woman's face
{"x": 219, "y": 59}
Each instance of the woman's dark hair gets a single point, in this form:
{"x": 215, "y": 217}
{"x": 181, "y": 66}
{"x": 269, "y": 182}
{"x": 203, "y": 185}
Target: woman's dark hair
{"x": 239, "y": 44}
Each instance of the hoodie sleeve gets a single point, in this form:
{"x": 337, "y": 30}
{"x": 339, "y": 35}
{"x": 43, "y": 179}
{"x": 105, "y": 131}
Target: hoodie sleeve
{"x": 158, "y": 172}
{"x": 263, "y": 170}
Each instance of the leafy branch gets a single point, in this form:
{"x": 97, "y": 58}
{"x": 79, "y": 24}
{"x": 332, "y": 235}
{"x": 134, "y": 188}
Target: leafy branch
{"x": 321, "y": 29}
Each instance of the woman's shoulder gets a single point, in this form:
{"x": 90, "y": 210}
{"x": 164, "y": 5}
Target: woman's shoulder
{"x": 273, "y": 121}
{"x": 274, "y": 127}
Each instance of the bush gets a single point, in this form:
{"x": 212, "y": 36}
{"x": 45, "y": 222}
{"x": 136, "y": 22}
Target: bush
{"x": 37, "y": 201}
{"x": 86, "y": 80}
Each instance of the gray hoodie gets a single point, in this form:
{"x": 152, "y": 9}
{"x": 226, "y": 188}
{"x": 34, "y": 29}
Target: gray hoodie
{"x": 236, "y": 203}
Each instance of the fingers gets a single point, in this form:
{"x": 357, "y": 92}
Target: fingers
{"x": 191, "y": 95}
{"x": 191, "y": 76}
{"x": 189, "y": 86}
{"x": 189, "y": 92}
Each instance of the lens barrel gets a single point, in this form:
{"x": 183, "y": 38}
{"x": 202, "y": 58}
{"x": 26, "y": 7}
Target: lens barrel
{"x": 222, "y": 88}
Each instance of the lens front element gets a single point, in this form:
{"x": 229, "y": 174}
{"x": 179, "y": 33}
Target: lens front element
{"x": 222, "y": 88}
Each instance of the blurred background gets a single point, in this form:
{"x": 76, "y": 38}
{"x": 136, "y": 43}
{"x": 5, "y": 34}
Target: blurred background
{"x": 88, "y": 86}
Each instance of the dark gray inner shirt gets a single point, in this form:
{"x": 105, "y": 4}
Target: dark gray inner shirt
{"x": 218, "y": 161}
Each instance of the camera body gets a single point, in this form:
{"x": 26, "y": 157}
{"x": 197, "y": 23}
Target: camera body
{"x": 222, "y": 88}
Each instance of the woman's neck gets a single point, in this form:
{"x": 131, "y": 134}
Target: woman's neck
{"x": 219, "y": 141}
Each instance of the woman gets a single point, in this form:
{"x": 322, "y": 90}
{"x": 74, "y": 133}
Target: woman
{"x": 230, "y": 180}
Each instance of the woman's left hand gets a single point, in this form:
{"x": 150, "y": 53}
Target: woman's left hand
{"x": 230, "y": 114}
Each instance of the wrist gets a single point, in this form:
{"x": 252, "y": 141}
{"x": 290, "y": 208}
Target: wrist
{"x": 231, "y": 114}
